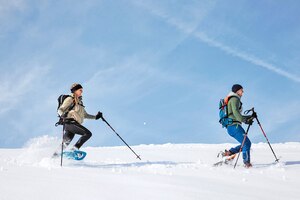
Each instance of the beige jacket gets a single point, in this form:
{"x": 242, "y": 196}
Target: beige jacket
{"x": 78, "y": 112}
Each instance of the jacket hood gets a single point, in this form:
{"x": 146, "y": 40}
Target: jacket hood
{"x": 231, "y": 94}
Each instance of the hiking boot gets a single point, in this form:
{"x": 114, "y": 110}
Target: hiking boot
{"x": 64, "y": 146}
{"x": 248, "y": 165}
{"x": 227, "y": 153}
{"x": 76, "y": 152}
{"x": 74, "y": 148}
{"x": 57, "y": 153}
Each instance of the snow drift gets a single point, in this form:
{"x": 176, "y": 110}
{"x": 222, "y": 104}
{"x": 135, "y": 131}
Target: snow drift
{"x": 169, "y": 171}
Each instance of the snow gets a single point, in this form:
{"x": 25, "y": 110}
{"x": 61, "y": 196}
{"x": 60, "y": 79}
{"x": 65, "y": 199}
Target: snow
{"x": 168, "y": 171}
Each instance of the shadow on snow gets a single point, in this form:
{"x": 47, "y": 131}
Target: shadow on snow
{"x": 127, "y": 165}
{"x": 292, "y": 163}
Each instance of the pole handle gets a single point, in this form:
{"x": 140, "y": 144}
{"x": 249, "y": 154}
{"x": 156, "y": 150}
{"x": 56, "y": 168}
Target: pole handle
{"x": 250, "y": 110}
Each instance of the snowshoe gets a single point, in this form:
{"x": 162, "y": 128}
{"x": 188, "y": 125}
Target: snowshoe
{"x": 226, "y": 156}
{"x": 74, "y": 155}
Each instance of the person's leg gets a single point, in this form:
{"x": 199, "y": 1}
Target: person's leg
{"x": 68, "y": 136}
{"x": 237, "y": 132}
{"x": 246, "y": 150}
{"x": 80, "y": 130}
{"x": 235, "y": 150}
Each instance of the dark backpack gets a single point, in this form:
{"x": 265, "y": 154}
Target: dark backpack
{"x": 223, "y": 112}
{"x": 60, "y": 101}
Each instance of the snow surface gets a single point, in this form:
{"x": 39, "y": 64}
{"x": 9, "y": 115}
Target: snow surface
{"x": 166, "y": 172}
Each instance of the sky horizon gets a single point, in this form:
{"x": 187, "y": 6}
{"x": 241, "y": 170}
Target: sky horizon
{"x": 156, "y": 69}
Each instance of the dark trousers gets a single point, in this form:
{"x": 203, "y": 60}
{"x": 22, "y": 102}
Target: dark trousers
{"x": 72, "y": 128}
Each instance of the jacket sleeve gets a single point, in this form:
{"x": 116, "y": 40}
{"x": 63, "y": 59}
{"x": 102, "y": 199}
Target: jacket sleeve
{"x": 88, "y": 116}
{"x": 235, "y": 103}
{"x": 66, "y": 105}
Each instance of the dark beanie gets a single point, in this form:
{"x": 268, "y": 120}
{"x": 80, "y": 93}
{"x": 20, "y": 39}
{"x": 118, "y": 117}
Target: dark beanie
{"x": 76, "y": 87}
{"x": 236, "y": 87}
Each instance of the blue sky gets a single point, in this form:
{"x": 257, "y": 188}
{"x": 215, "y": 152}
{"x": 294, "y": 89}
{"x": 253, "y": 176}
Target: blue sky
{"x": 156, "y": 69}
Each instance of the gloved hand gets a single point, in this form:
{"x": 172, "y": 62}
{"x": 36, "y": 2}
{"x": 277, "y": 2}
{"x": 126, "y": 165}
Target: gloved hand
{"x": 248, "y": 120}
{"x": 99, "y": 115}
{"x": 254, "y": 115}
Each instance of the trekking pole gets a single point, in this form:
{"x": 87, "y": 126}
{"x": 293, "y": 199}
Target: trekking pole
{"x": 276, "y": 159}
{"x": 137, "y": 156}
{"x": 252, "y": 109}
{"x": 62, "y": 146}
{"x": 242, "y": 145}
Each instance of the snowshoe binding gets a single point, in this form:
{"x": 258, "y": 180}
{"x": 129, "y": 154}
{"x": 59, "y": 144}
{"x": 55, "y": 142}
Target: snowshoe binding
{"x": 226, "y": 158}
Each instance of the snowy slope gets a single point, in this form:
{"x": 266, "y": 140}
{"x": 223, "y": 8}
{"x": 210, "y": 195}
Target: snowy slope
{"x": 169, "y": 171}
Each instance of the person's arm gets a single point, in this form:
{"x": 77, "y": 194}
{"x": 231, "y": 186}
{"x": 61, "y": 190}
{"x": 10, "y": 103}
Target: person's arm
{"x": 88, "y": 116}
{"x": 235, "y": 103}
{"x": 236, "y": 112}
{"x": 66, "y": 105}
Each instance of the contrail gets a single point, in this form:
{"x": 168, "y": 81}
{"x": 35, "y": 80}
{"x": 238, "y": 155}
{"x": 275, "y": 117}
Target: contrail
{"x": 180, "y": 25}
{"x": 247, "y": 57}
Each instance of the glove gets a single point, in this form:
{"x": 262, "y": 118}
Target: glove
{"x": 249, "y": 120}
{"x": 254, "y": 115}
{"x": 99, "y": 115}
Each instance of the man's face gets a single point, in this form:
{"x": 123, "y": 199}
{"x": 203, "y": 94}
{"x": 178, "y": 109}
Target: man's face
{"x": 240, "y": 92}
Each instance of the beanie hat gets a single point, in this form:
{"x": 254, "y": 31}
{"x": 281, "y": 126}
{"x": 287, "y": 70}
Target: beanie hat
{"x": 236, "y": 87}
{"x": 75, "y": 86}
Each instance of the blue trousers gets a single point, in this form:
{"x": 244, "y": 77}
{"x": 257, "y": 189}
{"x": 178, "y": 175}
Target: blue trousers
{"x": 237, "y": 132}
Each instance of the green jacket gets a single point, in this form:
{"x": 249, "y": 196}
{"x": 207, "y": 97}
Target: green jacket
{"x": 235, "y": 108}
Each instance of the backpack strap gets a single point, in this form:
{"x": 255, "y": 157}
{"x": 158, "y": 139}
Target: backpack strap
{"x": 61, "y": 120}
{"x": 71, "y": 106}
